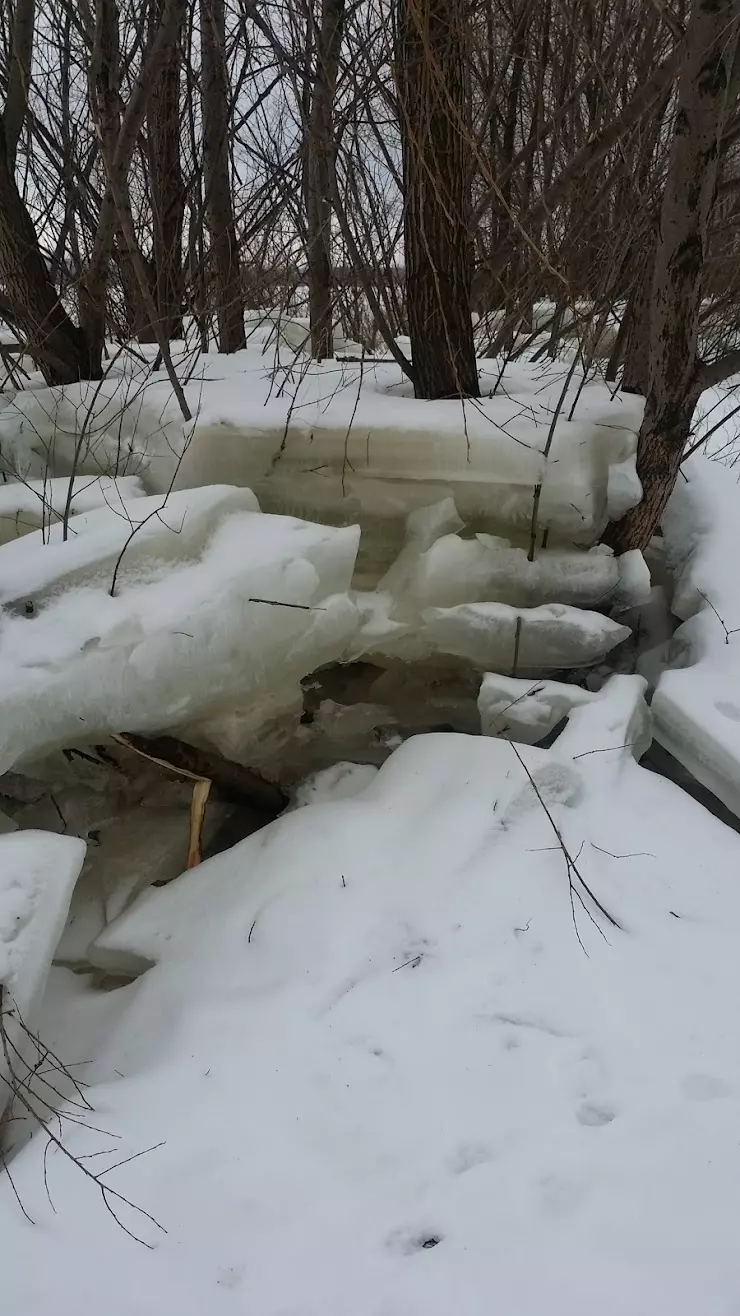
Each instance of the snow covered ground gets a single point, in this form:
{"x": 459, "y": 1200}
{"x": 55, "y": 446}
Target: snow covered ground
{"x": 388, "y": 1065}
{"x": 454, "y": 1033}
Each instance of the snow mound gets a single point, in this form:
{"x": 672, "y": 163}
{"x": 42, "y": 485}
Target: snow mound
{"x": 696, "y": 705}
{"x": 389, "y": 1078}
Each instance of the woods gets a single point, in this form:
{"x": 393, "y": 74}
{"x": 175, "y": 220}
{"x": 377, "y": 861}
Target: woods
{"x": 390, "y": 167}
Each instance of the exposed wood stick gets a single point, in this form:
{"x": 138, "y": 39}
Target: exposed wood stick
{"x": 201, "y": 791}
{"x": 232, "y": 781}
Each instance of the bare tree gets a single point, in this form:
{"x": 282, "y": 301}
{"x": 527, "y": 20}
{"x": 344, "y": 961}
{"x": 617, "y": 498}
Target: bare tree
{"x": 167, "y": 187}
{"x": 224, "y": 253}
{"x": 320, "y": 164}
{"x": 431, "y": 75}
{"x": 31, "y": 302}
{"x": 676, "y": 377}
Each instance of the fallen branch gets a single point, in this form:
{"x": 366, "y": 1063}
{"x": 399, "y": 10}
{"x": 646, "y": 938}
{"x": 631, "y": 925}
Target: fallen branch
{"x": 233, "y": 782}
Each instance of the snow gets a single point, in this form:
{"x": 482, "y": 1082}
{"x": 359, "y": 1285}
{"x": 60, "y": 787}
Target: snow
{"x": 452, "y": 570}
{"x": 344, "y": 442}
{"x": 550, "y": 637}
{"x": 38, "y": 872}
{"x": 525, "y": 711}
{"x": 216, "y": 612}
{"x": 616, "y": 716}
{"x": 194, "y": 612}
{"x": 385, "y": 1075}
{"x": 457, "y": 1031}
{"x": 35, "y": 504}
{"x": 164, "y": 528}
{"x": 696, "y": 704}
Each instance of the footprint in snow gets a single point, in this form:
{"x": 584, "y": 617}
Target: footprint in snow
{"x": 594, "y": 1115}
{"x": 704, "y": 1087}
{"x": 407, "y": 1241}
{"x": 729, "y": 710}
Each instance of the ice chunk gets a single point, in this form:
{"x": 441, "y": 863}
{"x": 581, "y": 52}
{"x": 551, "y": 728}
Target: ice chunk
{"x": 614, "y": 719}
{"x": 634, "y": 585}
{"x": 27, "y": 505}
{"x": 253, "y": 606}
{"x": 549, "y": 637}
{"x": 453, "y": 571}
{"x": 612, "y": 726}
{"x": 37, "y": 875}
{"x": 160, "y": 528}
{"x": 526, "y": 711}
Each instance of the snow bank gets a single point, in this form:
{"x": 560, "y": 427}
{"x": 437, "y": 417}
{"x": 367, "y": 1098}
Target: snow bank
{"x": 389, "y": 1079}
{"x": 344, "y": 442}
{"x": 697, "y": 702}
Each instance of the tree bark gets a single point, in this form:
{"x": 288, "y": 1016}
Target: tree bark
{"x": 635, "y": 374}
{"x": 103, "y": 82}
{"x": 674, "y": 377}
{"x": 16, "y": 101}
{"x": 320, "y": 164}
{"x": 59, "y": 347}
{"x": 224, "y": 255}
{"x": 167, "y": 187}
{"x": 431, "y": 64}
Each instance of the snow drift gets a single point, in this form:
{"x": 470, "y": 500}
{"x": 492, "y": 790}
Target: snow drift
{"x": 383, "y": 1075}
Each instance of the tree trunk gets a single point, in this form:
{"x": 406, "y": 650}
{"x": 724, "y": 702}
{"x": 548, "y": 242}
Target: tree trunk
{"x": 673, "y": 388}
{"x": 637, "y": 345}
{"x": 58, "y": 346}
{"x": 223, "y": 256}
{"x": 167, "y": 187}
{"x": 103, "y": 85}
{"x": 320, "y": 163}
{"x": 16, "y": 101}
{"x": 431, "y": 64}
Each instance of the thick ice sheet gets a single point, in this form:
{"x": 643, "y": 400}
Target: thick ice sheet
{"x": 344, "y": 442}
